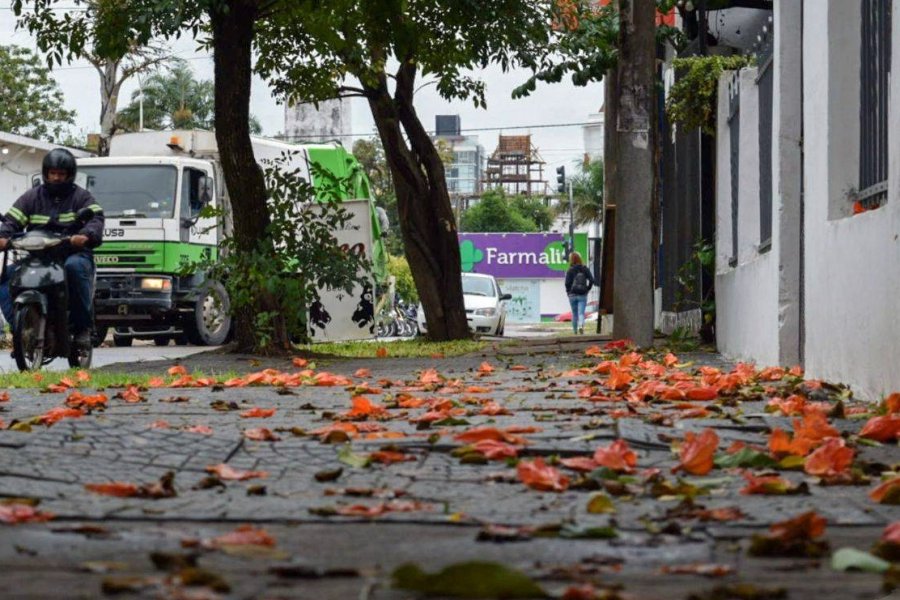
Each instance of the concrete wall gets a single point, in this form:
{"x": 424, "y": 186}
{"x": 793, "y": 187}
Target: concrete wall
{"x": 852, "y": 266}
{"x": 746, "y": 293}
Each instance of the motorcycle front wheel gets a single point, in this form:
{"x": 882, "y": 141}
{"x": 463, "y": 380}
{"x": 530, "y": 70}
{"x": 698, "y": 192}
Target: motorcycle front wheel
{"x": 29, "y": 327}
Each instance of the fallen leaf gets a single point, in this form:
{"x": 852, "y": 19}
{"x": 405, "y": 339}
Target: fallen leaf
{"x": 363, "y": 408}
{"x": 793, "y": 537}
{"x": 851, "y": 559}
{"x": 54, "y": 415}
{"x": 830, "y": 459}
{"x": 381, "y": 352}
{"x": 229, "y": 473}
{"x": 245, "y": 535}
{"x": 767, "y": 484}
{"x": 618, "y": 456}
{"x": 485, "y": 368}
{"x": 164, "y": 488}
{"x": 177, "y": 370}
{"x": 882, "y": 429}
{"x": 132, "y": 394}
{"x": 537, "y": 475}
{"x": 704, "y": 569}
{"x": 495, "y": 450}
{"x": 488, "y": 433}
{"x": 202, "y": 429}
{"x": 697, "y": 452}
{"x": 389, "y": 457}
{"x": 887, "y": 493}
{"x": 260, "y": 434}
{"x": 257, "y": 413}
{"x": 600, "y": 503}
{"x": 468, "y": 580}
{"x": 13, "y": 514}
{"x": 78, "y": 400}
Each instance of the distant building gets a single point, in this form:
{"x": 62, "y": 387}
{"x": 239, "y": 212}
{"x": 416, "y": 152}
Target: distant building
{"x": 464, "y": 175}
{"x": 20, "y": 160}
{"x": 307, "y": 124}
{"x": 516, "y": 166}
{"x": 593, "y": 134}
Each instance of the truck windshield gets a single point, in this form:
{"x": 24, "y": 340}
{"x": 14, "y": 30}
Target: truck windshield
{"x": 140, "y": 191}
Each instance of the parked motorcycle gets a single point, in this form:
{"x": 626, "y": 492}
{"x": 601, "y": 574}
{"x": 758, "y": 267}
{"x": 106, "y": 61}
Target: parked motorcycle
{"x": 41, "y": 301}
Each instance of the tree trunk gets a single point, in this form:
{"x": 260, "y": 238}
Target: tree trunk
{"x": 426, "y": 216}
{"x": 635, "y": 177}
{"x": 610, "y": 194}
{"x": 232, "y": 32}
{"x": 110, "y": 85}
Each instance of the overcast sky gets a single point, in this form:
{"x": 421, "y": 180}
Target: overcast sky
{"x": 551, "y": 105}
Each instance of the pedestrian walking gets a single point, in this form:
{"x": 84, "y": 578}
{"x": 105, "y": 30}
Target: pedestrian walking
{"x": 579, "y": 282}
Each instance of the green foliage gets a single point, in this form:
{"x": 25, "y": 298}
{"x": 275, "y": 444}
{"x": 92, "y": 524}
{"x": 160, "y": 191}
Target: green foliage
{"x": 587, "y": 194}
{"x": 468, "y": 580}
{"x": 370, "y": 155}
{"x": 32, "y": 103}
{"x": 305, "y": 259}
{"x": 174, "y": 99}
{"x": 415, "y": 348}
{"x": 534, "y": 210}
{"x": 406, "y": 287}
{"x": 496, "y": 211}
{"x": 693, "y": 98}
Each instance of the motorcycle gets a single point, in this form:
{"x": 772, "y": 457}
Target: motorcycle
{"x": 41, "y": 301}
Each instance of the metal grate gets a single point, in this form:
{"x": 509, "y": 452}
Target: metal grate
{"x": 764, "y": 81}
{"x": 734, "y": 129}
{"x": 874, "y": 75}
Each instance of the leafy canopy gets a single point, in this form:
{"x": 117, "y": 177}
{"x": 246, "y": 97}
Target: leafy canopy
{"x": 498, "y": 212}
{"x": 32, "y": 104}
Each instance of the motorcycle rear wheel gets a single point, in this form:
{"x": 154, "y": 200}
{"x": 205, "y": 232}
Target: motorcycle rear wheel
{"x": 29, "y": 325}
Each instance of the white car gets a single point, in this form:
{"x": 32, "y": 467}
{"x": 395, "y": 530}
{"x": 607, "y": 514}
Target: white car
{"x": 484, "y": 302}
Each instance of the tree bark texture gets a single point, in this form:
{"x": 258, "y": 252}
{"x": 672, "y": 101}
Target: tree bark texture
{"x": 635, "y": 177}
{"x": 610, "y": 167}
{"x": 232, "y": 46}
{"x": 426, "y": 216}
{"x": 110, "y": 85}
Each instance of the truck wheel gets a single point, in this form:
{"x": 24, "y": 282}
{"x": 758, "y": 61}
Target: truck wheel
{"x": 122, "y": 341}
{"x": 211, "y": 320}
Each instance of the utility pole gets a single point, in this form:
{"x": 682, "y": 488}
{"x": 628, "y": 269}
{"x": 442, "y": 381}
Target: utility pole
{"x": 635, "y": 174}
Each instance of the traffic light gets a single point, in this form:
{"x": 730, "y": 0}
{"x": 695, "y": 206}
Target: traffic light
{"x": 560, "y": 179}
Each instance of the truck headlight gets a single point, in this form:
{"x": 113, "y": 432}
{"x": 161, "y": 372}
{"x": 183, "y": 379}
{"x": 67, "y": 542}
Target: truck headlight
{"x": 486, "y": 312}
{"x": 156, "y": 284}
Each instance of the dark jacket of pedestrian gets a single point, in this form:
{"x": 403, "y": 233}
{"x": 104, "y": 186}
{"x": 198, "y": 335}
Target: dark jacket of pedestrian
{"x": 572, "y": 280}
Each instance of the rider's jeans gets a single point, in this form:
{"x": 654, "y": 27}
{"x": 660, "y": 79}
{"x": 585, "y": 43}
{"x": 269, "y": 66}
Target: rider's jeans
{"x": 80, "y": 277}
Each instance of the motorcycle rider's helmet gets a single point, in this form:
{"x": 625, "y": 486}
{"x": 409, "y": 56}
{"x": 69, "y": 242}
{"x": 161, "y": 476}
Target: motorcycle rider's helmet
{"x": 62, "y": 159}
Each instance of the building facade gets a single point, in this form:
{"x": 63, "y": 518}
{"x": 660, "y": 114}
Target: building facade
{"x": 808, "y": 195}
{"x": 465, "y": 173}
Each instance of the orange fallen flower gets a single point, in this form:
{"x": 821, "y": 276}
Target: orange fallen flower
{"x": 830, "y": 459}
{"x": 806, "y": 526}
{"x": 495, "y": 450}
{"x": 132, "y": 394}
{"x": 54, "y": 415}
{"x": 892, "y": 403}
{"x": 618, "y": 456}
{"x": 389, "y": 457}
{"x": 488, "y": 433}
{"x": 381, "y": 352}
{"x": 261, "y": 434}
{"x": 78, "y": 400}
{"x": 245, "y": 535}
{"x": 119, "y": 489}
{"x": 493, "y": 409}
{"x": 891, "y": 533}
{"x": 13, "y": 514}
{"x": 257, "y": 413}
{"x": 882, "y": 429}
{"x": 177, "y": 370}
{"x": 364, "y": 408}
{"x": 362, "y": 373}
{"x": 704, "y": 569}
{"x": 485, "y": 368}
{"x": 4, "y": 396}
{"x": 537, "y": 475}
{"x": 697, "y": 452}
{"x": 229, "y": 473}
{"x": 362, "y": 510}
{"x": 618, "y": 378}
{"x": 203, "y": 429}
{"x": 584, "y": 464}
{"x": 766, "y": 484}
{"x": 887, "y": 493}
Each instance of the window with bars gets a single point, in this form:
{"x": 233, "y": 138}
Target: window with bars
{"x": 734, "y": 133}
{"x": 764, "y": 81}
{"x": 874, "y": 78}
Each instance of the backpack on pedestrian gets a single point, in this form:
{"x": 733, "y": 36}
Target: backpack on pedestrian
{"x": 579, "y": 284}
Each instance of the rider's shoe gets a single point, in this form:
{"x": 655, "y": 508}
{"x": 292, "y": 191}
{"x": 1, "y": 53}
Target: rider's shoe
{"x": 83, "y": 339}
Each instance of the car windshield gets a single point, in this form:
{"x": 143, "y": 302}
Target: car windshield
{"x": 140, "y": 191}
{"x": 478, "y": 286}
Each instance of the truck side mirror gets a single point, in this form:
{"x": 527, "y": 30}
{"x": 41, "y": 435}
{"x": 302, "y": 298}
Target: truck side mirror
{"x": 204, "y": 190}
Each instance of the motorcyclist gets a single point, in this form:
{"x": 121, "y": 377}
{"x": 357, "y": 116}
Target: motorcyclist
{"x": 52, "y": 206}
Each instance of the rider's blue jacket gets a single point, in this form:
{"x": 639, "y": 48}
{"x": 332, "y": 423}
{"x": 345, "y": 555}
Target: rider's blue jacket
{"x": 37, "y": 209}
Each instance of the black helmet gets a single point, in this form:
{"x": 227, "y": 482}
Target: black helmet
{"x": 62, "y": 159}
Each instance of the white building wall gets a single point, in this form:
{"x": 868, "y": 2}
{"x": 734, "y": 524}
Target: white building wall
{"x": 852, "y": 266}
{"x": 746, "y": 293}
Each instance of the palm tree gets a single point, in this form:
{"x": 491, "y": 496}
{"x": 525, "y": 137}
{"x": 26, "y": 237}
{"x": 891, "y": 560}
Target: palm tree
{"x": 587, "y": 194}
{"x": 174, "y": 99}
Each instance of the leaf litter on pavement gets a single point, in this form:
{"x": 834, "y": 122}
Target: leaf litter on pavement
{"x": 472, "y": 419}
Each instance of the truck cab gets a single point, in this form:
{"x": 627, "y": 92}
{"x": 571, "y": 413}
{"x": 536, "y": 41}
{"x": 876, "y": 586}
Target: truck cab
{"x": 153, "y": 229}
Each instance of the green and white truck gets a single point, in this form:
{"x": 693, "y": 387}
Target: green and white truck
{"x": 152, "y": 187}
